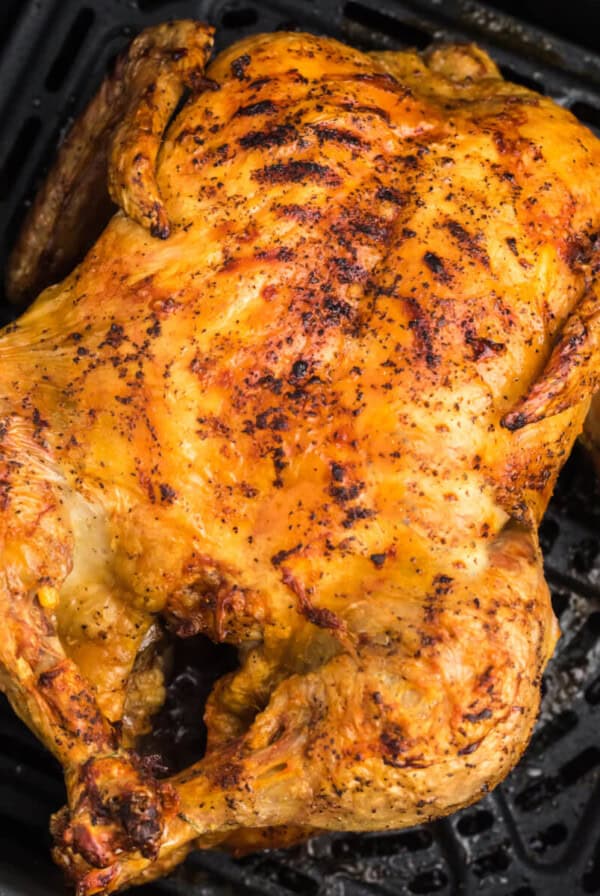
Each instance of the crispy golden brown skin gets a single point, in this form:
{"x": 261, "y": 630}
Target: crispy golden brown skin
{"x": 321, "y": 420}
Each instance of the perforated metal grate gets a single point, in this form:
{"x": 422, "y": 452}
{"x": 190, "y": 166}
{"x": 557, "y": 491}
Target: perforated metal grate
{"x": 539, "y": 833}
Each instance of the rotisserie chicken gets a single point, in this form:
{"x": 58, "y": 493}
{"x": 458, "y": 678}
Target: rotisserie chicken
{"x": 308, "y": 394}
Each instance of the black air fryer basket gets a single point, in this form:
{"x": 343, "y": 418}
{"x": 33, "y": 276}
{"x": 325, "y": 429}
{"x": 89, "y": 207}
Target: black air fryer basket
{"x": 538, "y": 834}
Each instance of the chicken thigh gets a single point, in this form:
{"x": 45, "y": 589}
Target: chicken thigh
{"x": 307, "y": 394}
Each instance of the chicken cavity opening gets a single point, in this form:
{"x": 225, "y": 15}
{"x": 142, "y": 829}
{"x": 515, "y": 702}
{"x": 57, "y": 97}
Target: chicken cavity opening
{"x": 178, "y": 735}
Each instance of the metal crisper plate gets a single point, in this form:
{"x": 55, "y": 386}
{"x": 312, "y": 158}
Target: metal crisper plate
{"x": 539, "y": 833}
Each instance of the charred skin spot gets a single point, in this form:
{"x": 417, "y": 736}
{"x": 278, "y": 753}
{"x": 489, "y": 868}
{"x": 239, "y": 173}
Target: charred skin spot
{"x": 442, "y": 584}
{"x": 194, "y": 609}
{"x": 393, "y": 740}
{"x": 46, "y": 679}
{"x": 371, "y": 226}
{"x": 378, "y": 560}
{"x": 136, "y": 803}
{"x": 194, "y": 133}
{"x": 344, "y": 493}
{"x": 259, "y": 82}
{"x": 278, "y": 136}
{"x": 160, "y": 231}
{"x": 264, "y": 107}
{"x": 239, "y": 66}
{"x": 504, "y": 144}
{"x": 273, "y": 383}
{"x": 141, "y": 818}
{"x": 38, "y": 421}
{"x": 278, "y": 558}
{"x": 229, "y": 776}
{"x": 389, "y": 194}
{"x": 539, "y": 480}
{"x": 296, "y": 172}
{"x": 349, "y": 272}
{"x": 115, "y": 336}
{"x": 393, "y": 747}
{"x": 410, "y": 161}
{"x": 4, "y": 425}
{"x": 469, "y": 243}
{"x": 481, "y": 347}
{"x": 382, "y": 80}
{"x": 5, "y": 489}
{"x": 284, "y": 253}
{"x": 353, "y": 514}
{"x": 577, "y": 339}
{"x": 338, "y": 473}
{"x": 367, "y": 110}
{"x": 154, "y": 330}
{"x": 486, "y": 680}
{"x": 512, "y": 245}
{"x": 300, "y": 369}
{"x": 419, "y": 324}
{"x": 475, "y": 717}
{"x": 339, "y": 135}
{"x": 272, "y": 419}
{"x": 279, "y": 464}
{"x": 197, "y": 82}
{"x": 336, "y": 310}
{"x": 319, "y": 616}
{"x": 514, "y": 422}
{"x": 300, "y": 213}
{"x": 166, "y": 306}
{"x": 577, "y": 249}
{"x": 146, "y": 482}
{"x": 437, "y": 267}
{"x": 167, "y": 493}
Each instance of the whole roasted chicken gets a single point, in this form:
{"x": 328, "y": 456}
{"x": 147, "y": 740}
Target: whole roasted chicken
{"x": 308, "y": 394}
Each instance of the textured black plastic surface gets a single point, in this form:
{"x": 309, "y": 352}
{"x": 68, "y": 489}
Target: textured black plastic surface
{"x": 539, "y": 833}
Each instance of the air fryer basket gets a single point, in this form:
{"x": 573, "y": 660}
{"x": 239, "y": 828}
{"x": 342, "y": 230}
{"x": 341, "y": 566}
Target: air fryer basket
{"x": 538, "y": 834}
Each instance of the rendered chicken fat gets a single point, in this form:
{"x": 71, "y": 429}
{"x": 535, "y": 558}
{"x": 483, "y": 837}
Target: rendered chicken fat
{"x": 307, "y": 393}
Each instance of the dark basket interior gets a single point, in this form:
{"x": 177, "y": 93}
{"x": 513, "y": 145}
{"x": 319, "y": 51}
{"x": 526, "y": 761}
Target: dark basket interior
{"x": 538, "y": 834}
